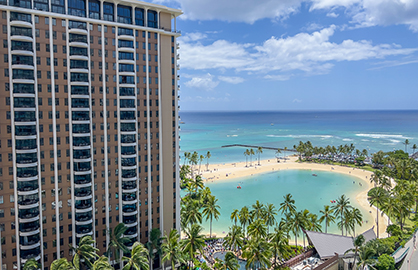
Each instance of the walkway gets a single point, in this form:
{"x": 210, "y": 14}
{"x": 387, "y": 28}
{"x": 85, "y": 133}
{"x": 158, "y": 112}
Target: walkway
{"x": 411, "y": 260}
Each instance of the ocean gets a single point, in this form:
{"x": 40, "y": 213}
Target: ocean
{"x": 371, "y": 130}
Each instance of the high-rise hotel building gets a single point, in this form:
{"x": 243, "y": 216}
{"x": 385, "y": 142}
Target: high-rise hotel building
{"x": 88, "y": 124}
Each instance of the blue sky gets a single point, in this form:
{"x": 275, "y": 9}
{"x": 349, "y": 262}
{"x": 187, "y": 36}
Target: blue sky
{"x": 297, "y": 55}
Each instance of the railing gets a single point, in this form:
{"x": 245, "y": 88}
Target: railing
{"x": 299, "y": 258}
{"x": 327, "y": 263}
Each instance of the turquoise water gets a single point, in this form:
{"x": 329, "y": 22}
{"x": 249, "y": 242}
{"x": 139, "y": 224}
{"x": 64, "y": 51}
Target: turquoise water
{"x": 309, "y": 192}
{"x": 371, "y": 130}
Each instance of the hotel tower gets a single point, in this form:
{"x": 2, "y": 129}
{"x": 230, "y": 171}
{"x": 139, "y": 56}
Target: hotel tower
{"x": 88, "y": 124}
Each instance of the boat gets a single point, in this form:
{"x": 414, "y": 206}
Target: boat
{"x": 314, "y": 174}
{"x": 272, "y": 124}
{"x": 182, "y": 123}
{"x": 238, "y": 187}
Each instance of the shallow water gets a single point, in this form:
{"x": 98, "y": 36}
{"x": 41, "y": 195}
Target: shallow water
{"x": 309, "y": 192}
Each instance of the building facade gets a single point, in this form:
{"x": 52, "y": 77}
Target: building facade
{"x": 88, "y": 124}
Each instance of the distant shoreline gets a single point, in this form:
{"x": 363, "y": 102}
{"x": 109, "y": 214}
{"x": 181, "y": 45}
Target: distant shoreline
{"x": 229, "y": 171}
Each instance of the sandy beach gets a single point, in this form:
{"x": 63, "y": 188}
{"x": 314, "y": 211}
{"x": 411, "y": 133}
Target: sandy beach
{"x": 219, "y": 172}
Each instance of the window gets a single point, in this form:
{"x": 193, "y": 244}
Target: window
{"x": 57, "y": 6}
{"x": 108, "y": 11}
{"x": 94, "y": 9}
{"x": 152, "y": 19}
{"x": 139, "y": 16}
{"x": 77, "y": 8}
{"x": 124, "y": 14}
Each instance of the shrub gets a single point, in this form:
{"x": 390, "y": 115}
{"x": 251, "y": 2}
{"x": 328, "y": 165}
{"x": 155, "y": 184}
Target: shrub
{"x": 385, "y": 262}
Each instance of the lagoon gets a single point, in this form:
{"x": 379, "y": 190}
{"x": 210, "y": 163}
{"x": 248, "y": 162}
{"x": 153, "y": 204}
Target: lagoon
{"x": 309, "y": 192}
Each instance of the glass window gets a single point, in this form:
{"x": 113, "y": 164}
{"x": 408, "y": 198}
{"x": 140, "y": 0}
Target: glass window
{"x": 152, "y": 19}
{"x": 57, "y": 6}
{"x": 77, "y": 8}
{"x": 124, "y": 14}
{"x": 41, "y": 5}
{"x": 94, "y": 9}
{"x": 21, "y": 3}
{"x": 108, "y": 11}
{"x": 139, "y": 16}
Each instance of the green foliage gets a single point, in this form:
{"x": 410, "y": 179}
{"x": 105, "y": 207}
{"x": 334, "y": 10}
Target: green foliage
{"x": 397, "y": 154}
{"x": 385, "y": 262}
{"x": 394, "y": 230}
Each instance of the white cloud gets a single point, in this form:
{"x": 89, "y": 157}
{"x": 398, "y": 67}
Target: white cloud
{"x": 247, "y": 11}
{"x": 311, "y": 53}
{"x": 278, "y": 77}
{"x": 193, "y": 36}
{"x": 297, "y": 100}
{"x": 233, "y": 80}
{"x": 204, "y": 82}
{"x": 332, "y": 14}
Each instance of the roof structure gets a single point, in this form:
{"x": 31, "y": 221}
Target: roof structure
{"x": 327, "y": 244}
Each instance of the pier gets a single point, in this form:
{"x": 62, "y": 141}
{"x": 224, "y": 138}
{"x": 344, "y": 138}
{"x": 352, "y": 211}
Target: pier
{"x": 257, "y": 146}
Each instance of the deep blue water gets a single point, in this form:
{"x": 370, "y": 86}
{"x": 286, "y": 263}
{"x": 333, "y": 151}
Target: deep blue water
{"x": 371, "y": 130}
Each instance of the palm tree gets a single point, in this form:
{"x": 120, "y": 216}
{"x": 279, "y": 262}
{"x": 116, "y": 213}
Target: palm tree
{"x": 406, "y": 143}
{"x": 327, "y": 215}
{"x": 313, "y": 223}
{"x": 340, "y": 208}
{"x": 414, "y": 147}
{"x": 171, "y": 249}
{"x": 389, "y": 207}
{"x": 259, "y": 152}
{"x": 258, "y": 210}
{"x": 230, "y": 262}
{"x": 138, "y": 259}
{"x": 117, "y": 242}
{"x": 257, "y": 253}
{"x": 198, "y": 183}
{"x": 208, "y": 155}
{"x": 257, "y": 229}
{"x": 235, "y": 216}
{"x": 62, "y": 264}
{"x": 377, "y": 197}
{"x": 194, "y": 240}
{"x": 154, "y": 246}
{"x": 244, "y": 217}
{"x": 357, "y": 218}
{"x": 201, "y": 158}
{"x": 85, "y": 253}
{"x": 278, "y": 151}
{"x": 31, "y": 264}
{"x": 246, "y": 154}
{"x": 251, "y": 156}
{"x": 187, "y": 155}
{"x": 288, "y": 206}
{"x": 234, "y": 239}
{"x": 102, "y": 264}
{"x": 366, "y": 255}
{"x": 279, "y": 245}
{"x": 190, "y": 212}
{"x": 210, "y": 211}
{"x": 358, "y": 242}
{"x": 296, "y": 223}
{"x": 269, "y": 215}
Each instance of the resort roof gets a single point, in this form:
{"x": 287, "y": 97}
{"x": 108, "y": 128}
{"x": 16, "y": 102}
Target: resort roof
{"x": 328, "y": 244}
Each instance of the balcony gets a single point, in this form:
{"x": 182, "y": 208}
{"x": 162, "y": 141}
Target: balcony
{"x": 25, "y": 130}
{"x": 24, "y": 102}
{"x": 130, "y": 219}
{"x": 127, "y": 127}
{"x": 28, "y": 213}
{"x": 131, "y": 231}
{"x": 82, "y": 179}
{"x": 128, "y": 173}
{"x": 29, "y": 241}
{"x": 129, "y": 208}
{"x": 83, "y": 229}
{"x": 29, "y": 254}
{"x": 16, "y": 17}
{"x": 127, "y": 185}
{"x": 127, "y": 115}
{"x": 127, "y": 162}
{"x": 81, "y": 128}
{"x": 81, "y": 154}
{"x": 27, "y": 172}
{"x": 79, "y": 90}
{"x": 83, "y": 204}
{"x": 26, "y": 144}
{"x": 29, "y": 226}
{"x": 128, "y": 197}
{"x": 26, "y": 158}
{"x": 27, "y": 185}
{"x": 82, "y": 166}
{"x": 81, "y": 141}
{"x": 25, "y": 116}
{"x": 126, "y": 91}
{"x": 82, "y": 192}
{"x": 83, "y": 216}
{"x": 23, "y": 60}
{"x": 81, "y": 115}
{"x": 23, "y": 88}
{"x": 80, "y": 103}
{"x": 128, "y": 150}
{"x": 128, "y": 138}
{"x": 28, "y": 199}
{"x": 22, "y": 46}
{"x": 78, "y": 38}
